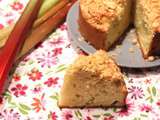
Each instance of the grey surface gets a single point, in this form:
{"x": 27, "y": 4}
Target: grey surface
{"x": 123, "y": 56}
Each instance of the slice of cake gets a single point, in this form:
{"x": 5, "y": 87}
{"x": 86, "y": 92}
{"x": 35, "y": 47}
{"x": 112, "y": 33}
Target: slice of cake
{"x": 93, "y": 81}
{"x": 102, "y": 22}
{"x": 147, "y": 23}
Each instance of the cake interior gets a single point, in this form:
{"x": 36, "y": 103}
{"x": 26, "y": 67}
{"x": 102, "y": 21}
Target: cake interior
{"x": 88, "y": 91}
{"x": 89, "y": 83}
{"x": 119, "y": 24}
{"x": 143, "y": 28}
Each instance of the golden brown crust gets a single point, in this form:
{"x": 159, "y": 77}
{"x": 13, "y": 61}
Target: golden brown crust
{"x": 100, "y": 13}
{"x": 102, "y": 60}
{"x": 93, "y": 81}
{"x": 96, "y": 37}
{"x": 97, "y": 17}
{"x": 105, "y": 107}
{"x": 102, "y": 22}
{"x": 151, "y": 11}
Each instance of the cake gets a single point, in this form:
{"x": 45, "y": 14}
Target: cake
{"x": 93, "y": 81}
{"x": 102, "y": 22}
{"x": 147, "y": 23}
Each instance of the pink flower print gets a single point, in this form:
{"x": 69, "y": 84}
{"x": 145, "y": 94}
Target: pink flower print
{"x": 19, "y": 90}
{"x": 128, "y": 110}
{"x": 57, "y": 51}
{"x": 8, "y": 14}
{"x": 54, "y": 116}
{"x": 130, "y": 80}
{"x": 147, "y": 81}
{"x": 35, "y": 75}
{"x": 17, "y": 6}
{"x": 88, "y": 118}
{"x": 51, "y": 81}
{"x": 1, "y": 26}
{"x": 47, "y": 59}
{"x": 158, "y": 103}
{"x": 37, "y": 89}
{"x": 56, "y": 41}
{"x": 39, "y": 104}
{"x": 16, "y": 77}
{"x": 10, "y": 21}
{"x": 123, "y": 112}
{"x": 136, "y": 92}
{"x": 68, "y": 45}
{"x": 146, "y": 108}
{"x": 109, "y": 118}
{"x": 9, "y": 115}
{"x": 67, "y": 115}
{"x": 63, "y": 27}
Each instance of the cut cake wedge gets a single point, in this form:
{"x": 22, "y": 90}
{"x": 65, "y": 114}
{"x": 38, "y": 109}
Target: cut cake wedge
{"x": 93, "y": 81}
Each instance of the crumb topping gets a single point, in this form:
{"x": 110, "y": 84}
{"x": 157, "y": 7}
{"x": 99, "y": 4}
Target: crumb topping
{"x": 100, "y": 13}
{"x": 98, "y": 64}
{"x": 151, "y": 12}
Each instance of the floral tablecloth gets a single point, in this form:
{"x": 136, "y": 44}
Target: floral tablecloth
{"x": 36, "y": 82}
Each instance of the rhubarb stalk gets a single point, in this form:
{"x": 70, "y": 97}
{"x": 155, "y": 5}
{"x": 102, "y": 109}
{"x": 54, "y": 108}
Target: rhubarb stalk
{"x": 51, "y": 12}
{"x": 16, "y": 40}
{"x": 47, "y": 5}
{"x": 40, "y": 32}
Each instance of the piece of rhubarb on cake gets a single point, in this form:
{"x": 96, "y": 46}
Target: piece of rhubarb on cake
{"x": 93, "y": 81}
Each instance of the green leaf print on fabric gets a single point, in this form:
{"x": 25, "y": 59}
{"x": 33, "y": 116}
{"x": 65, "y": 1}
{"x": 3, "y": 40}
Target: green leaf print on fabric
{"x": 78, "y": 114}
{"x": 137, "y": 118}
{"x": 12, "y": 105}
{"x": 107, "y": 114}
{"x": 55, "y": 96}
{"x": 25, "y": 107}
{"x": 96, "y": 116}
{"x": 143, "y": 115}
{"x": 8, "y": 96}
{"x": 30, "y": 62}
{"x": 152, "y": 93}
{"x": 60, "y": 68}
{"x": 23, "y": 111}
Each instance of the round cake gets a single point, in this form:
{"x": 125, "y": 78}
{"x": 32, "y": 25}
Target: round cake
{"x": 102, "y": 22}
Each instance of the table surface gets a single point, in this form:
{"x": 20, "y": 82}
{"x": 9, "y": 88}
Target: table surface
{"x": 36, "y": 82}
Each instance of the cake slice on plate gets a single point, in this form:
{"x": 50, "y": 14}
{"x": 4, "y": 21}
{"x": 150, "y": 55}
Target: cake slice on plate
{"x": 102, "y": 22}
{"x": 93, "y": 81}
{"x": 147, "y": 23}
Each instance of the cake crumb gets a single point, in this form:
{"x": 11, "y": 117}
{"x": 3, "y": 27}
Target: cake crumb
{"x": 151, "y": 58}
{"x": 118, "y": 52}
{"x": 134, "y": 41}
{"x": 138, "y": 45}
{"x": 131, "y": 50}
{"x": 118, "y": 46}
{"x": 114, "y": 56}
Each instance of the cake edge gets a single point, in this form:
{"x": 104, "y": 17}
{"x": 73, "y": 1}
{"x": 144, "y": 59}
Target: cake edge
{"x": 98, "y": 39}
